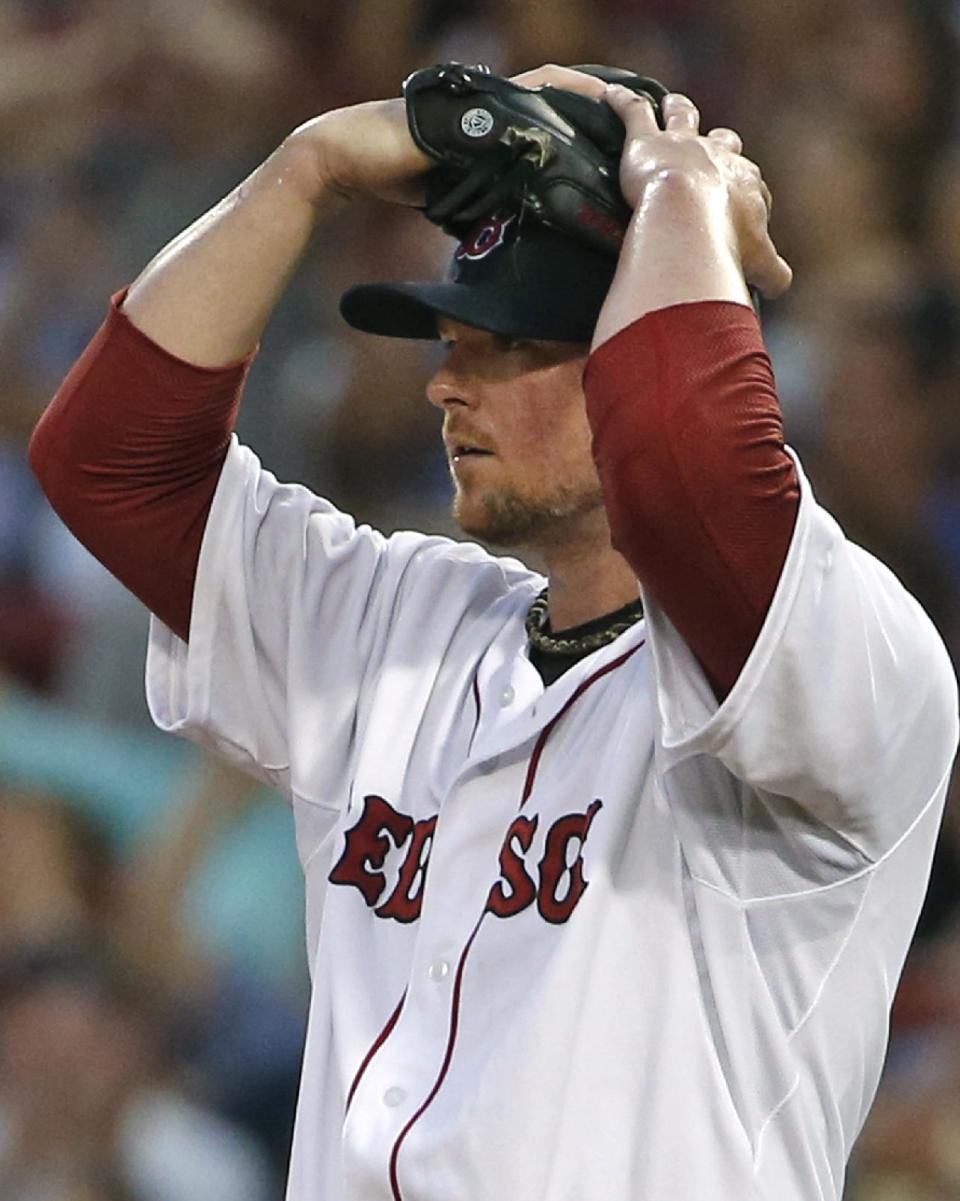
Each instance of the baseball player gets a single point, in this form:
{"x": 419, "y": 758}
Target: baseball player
{"x": 610, "y": 873}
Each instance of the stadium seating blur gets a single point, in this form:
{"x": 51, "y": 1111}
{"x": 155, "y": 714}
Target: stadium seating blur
{"x": 150, "y": 900}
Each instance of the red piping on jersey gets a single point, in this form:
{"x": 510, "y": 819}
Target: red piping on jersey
{"x": 444, "y": 1067}
{"x": 548, "y": 728}
{"x": 378, "y": 1043}
{"x": 395, "y": 1016}
{"x": 476, "y": 698}
{"x": 458, "y": 979}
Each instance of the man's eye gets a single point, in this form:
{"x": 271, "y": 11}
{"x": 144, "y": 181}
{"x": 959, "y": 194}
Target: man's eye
{"x": 506, "y": 343}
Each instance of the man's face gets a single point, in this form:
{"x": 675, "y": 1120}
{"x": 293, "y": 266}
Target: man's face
{"x": 516, "y": 434}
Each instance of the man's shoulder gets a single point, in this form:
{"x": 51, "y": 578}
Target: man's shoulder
{"x": 301, "y": 534}
{"x": 434, "y": 564}
{"x": 244, "y": 476}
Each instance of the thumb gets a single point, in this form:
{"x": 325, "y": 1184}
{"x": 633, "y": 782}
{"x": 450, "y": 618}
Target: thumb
{"x": 771, "y": 272}
{"x": 635, "y": 109}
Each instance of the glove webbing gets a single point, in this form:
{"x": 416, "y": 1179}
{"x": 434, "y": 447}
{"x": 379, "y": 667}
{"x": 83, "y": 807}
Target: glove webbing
{"x": 513, "y": 166}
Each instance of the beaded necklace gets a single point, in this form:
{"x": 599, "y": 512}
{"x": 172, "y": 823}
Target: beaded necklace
{"x": 537, "y": 623}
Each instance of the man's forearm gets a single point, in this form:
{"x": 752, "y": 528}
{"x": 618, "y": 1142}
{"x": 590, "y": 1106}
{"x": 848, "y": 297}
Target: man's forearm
{"x": 701, "y": 495}
{"x": 130, "y": 449}
{"x": 680, "y": 247}
{"x": 207, "y": 296}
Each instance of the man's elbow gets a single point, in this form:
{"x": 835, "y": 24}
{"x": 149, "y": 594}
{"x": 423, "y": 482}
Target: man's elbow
{"x": 48, "y": 462}
{"x": 41, "y": 454}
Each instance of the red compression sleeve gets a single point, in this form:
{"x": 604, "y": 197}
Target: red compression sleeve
{"x": 701, "y": 495}
{"x": 129, "y": 452}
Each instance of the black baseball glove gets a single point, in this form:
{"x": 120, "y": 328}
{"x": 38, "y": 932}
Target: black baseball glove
{"x": 543, "y": 152}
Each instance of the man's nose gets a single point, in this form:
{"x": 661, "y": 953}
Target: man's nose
{"x": 449, "y": 386}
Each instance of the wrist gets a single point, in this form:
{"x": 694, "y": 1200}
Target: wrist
{"x": 680, "y": 247}
{"x": 685, "y": 223}
{"x": 306, "y": 163}
{"x": 688, "y": 206}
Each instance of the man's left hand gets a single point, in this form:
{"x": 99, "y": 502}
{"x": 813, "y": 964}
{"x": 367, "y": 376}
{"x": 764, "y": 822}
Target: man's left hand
{"x": 713, "y": 163}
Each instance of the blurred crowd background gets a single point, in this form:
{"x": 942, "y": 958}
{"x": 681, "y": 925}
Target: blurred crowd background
{"x": 152, "y": 980}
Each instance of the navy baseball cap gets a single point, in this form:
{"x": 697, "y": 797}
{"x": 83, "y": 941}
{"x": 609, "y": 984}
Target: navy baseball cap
{"x": 515, "y": 278}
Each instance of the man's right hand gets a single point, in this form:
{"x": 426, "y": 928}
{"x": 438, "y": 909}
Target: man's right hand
{"x": 367, "y": 149}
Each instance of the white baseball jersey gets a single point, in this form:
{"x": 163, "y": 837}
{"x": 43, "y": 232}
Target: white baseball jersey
{"x": 603, "y": 941}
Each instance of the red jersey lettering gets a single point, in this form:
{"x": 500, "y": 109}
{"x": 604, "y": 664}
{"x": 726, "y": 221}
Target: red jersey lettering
{"x": 380, "y": 829}
{"x": 515, "y": 890}
{"x": 562, "y": 883}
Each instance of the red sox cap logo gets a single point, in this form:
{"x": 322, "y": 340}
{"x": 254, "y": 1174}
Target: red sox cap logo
{"x": 485, "y": 238}
{"x": 555, "y": 881}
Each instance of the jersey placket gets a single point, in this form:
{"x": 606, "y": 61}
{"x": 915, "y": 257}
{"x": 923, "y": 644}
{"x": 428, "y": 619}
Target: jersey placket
{"x": 407, "y": 1066}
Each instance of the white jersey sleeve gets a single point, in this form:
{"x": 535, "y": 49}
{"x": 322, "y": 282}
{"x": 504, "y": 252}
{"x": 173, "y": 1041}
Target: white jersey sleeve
{"x": 292, "y": 605}
{"x": 841, "y": 727}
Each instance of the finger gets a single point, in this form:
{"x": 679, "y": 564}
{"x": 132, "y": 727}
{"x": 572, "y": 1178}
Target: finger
{"x": 635, "y": 109}
{"x": 771, "y": 272}
{"x": 680, "y": 113}
{"x": 778, "y": 279}
{"x": 562, "y": 77}
{"x": 728, "y": 138}
{"x": 756, "y": 181}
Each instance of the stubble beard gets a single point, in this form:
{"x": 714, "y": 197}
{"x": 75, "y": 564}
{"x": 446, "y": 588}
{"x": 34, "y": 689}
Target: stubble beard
{"x": 507, "y": 519}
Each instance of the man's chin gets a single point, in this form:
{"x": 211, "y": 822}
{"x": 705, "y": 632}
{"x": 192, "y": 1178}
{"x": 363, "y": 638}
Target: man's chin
{"x": 505, "y": 522}
{"x": 506, "y": 519}
{"x": 490, "y": 533}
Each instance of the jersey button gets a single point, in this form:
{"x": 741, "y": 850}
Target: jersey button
{"x": 394, "y": 1097}
{"x": 438, "y": 970}
{"x": 506, "y": 696}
